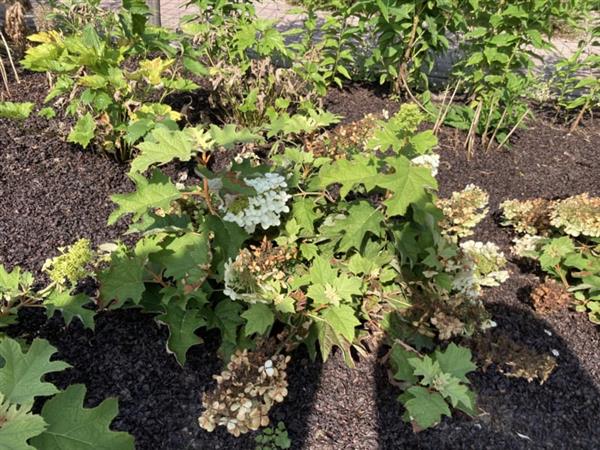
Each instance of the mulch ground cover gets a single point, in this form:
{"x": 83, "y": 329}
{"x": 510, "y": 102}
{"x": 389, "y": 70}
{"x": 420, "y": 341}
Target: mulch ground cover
{"x": 52, "y": 193}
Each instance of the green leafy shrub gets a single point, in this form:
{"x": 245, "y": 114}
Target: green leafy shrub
{"x": 409, "y": 37}
{"x": 576, "y": 80}
{"x": 326, "y": 247}
{"x": 254, "y": 75}
{"x": 113, "y": 104}
{"x": 433, "y": 383}
{"x": 569, "y": 250}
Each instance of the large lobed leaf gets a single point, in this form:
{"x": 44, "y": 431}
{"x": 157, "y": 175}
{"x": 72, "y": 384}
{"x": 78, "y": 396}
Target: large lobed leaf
{"x": 73, "y": 427}
{"x": 156, "y": 192}
{"x": 21, "y": 374}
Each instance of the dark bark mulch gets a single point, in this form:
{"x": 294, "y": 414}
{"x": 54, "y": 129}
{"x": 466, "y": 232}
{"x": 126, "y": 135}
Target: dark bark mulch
{"x": 53, "y": 193}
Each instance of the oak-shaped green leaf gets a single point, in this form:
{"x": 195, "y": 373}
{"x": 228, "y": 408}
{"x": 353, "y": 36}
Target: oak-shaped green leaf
{"x": 73, "y": 427}
{"x": 349, "y": 174}
{"x": 162, "y": 146}
{"x": 456, "y": 361}
{"x": 156, "y": 192}
{"x": 342, "y": 320}
{"x": 228, "y": 136}
{"x": 22, "y": 373}
{"x": 424, "y": 407}
{"x": 182, "y": 325}
{"x": 123, "y": 280}
{"x": 259, "y": 318}
{"x": 303, "y": 210}
{"x": 362, "y": 219}
{"x": 83, "y": 131}
{"x": 70, "y": 306}
{"x": 456, "y": 392}
{"x": 187, "y": 257}
{"x": 18, "y": 425}
{"x": 408, "y": 184}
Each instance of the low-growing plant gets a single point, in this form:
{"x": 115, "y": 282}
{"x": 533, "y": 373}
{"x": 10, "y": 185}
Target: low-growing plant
{"x": 15, "y": 111}
{"x": 569, "y": 249}
{"x": 18, "y": 289}
{"x": 273, "y": 438}
{"x": 433, "y": 383}
{"x": 115, "y": 105}
{"x": 63, "y": 419}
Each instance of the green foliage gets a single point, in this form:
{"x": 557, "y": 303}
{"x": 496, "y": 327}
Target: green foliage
{"x": 18, "y": 425}
{"x": 409, "y": 36}
{"x": 19, "y": 111}
{"x": 88, "y": 59}
{"x": 73, "y": 427}
{"x": 567, "y": 248}
{"x": 496, "y": 68}
{"x": 433, "y": 383}
{"x": 273, "y": 438}
{"x": 577, "y": 86}
{"x": 63, "y": 424}
{"x": 17, "y": 288}
{"x": 21, "y": 373}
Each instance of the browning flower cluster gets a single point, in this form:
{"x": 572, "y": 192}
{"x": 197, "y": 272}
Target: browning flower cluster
{"x": 528, "y": 216}
{"x": 338, "y": 142}
{"x": 513, "y": 359}
{"x": 463, "y": 211}
{"x": 550, "y": 296}
{"x": 245, "y": 393}
{"x": 248, "y": 278}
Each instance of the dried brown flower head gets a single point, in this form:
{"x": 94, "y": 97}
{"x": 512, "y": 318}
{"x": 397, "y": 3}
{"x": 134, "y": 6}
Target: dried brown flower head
{"x": 550, "y": 296}
{"x": 344, "y": 138}
{"x": 513, "y": 359}
{"x": 251, "y": 384}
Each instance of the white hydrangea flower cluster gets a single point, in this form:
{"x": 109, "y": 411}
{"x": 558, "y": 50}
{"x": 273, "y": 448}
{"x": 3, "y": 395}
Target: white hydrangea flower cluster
{"x": 266, "y": 206}
{"x": 481, "y": 265}
{"x": 528, "y": 246}
{"x": 489, "y": 262}
{"x": 431, "y": 161}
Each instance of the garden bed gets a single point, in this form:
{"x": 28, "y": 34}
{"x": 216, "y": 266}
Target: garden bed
{"x": 51, "y": 193}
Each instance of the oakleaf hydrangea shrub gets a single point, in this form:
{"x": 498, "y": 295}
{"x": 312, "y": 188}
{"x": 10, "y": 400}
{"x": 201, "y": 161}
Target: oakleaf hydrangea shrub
{"x": 564, "y": 237}
{"x": 328, "y": 250}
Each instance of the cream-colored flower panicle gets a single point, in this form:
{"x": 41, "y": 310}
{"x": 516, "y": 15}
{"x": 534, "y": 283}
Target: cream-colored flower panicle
{"x": 578, "y": 215}
{"x": 463, "y": 211}
{"x": 431, "y": 161}
{"x": 265, "y": 207}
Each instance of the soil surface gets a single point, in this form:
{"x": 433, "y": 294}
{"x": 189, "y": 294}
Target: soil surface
{"x": 52, "y": 193}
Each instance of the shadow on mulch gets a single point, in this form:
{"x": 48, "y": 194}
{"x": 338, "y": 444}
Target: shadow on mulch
{"x": 560, "y": 414}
